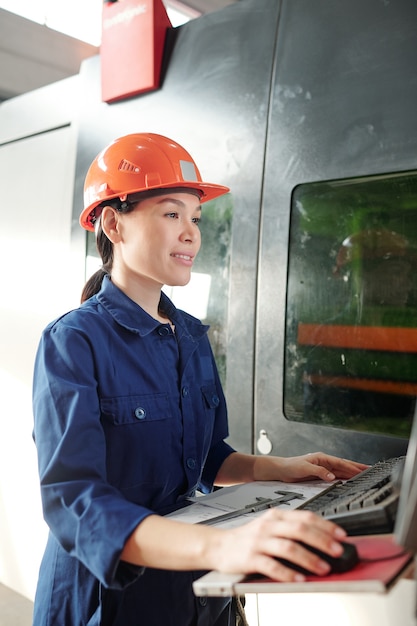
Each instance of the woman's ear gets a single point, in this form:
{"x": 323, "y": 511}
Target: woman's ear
{"x": 110, "y": 223}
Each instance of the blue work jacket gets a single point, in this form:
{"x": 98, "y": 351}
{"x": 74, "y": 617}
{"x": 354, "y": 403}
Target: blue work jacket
{"x": 129, "y": 419}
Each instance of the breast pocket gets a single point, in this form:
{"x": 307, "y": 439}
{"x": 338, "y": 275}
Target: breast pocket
{"x": 211, "y": 397}
{"x": 211, "y": 402}
{"x": 139, "y": 432}
{"x": 132, "y": 410}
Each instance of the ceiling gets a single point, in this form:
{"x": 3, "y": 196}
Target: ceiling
{"x": 32, "y": 55}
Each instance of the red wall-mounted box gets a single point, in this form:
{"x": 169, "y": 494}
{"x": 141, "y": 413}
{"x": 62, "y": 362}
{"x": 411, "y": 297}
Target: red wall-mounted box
{"x": 133, "y": 38}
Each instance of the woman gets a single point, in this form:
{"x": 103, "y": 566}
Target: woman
{"x": 130, "y": 420}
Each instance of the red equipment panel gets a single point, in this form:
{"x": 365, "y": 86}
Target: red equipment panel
{"x": 133, "y": 37}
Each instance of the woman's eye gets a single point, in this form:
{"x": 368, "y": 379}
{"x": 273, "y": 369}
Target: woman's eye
{"x": 196, "y": 220}
{"x": 173, "y": 215}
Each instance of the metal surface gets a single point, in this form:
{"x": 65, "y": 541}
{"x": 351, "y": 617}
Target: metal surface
{"x": 342, "y": 105}
{"x": 214, "y": 101}
{"x": 267, "y": 95}
{"x": 207, "y": 6}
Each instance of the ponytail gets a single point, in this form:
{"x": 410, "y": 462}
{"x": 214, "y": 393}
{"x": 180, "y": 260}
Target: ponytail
{"x": 93, "y": 284}
{"x": 105, "y": 249}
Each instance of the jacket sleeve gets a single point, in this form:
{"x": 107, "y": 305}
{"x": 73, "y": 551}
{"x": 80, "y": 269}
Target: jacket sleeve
{"x": 89, "y": 518}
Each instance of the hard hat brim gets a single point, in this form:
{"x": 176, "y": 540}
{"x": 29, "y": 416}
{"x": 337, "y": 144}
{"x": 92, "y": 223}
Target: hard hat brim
{"x": 208, "y": 191}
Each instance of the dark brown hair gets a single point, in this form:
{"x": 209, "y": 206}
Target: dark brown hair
{"x": 105, "y": 249}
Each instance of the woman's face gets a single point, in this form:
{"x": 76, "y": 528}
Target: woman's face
{"x": 158, "y": 241}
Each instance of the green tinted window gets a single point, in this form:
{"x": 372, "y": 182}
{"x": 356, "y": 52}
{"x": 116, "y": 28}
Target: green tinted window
{"x": 351, "y": 325}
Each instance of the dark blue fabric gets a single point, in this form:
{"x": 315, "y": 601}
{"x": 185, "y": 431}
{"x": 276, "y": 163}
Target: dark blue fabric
{"x": 130, "y": 419}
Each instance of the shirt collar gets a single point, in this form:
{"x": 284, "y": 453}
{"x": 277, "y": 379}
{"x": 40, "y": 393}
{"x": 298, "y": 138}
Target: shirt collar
{"x": 132, "y": 317}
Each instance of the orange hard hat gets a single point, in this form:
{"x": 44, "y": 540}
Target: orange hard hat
{"x": 141, "y": 162}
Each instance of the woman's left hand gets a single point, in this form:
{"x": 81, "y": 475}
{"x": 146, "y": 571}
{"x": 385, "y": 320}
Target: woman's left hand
{"x": 315, "y": 465}
{"x": 244, "y": 468}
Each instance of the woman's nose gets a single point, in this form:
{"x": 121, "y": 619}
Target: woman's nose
{"x": 189, "y": 233}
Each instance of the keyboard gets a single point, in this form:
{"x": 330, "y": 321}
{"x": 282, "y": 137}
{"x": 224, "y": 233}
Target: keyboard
{"x": 365, "y": 504}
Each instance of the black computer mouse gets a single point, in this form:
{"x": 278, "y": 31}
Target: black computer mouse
{"x": 343, "y": 563}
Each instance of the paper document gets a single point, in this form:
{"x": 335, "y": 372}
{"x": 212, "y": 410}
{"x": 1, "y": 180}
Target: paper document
{"x": 238, "y": 504}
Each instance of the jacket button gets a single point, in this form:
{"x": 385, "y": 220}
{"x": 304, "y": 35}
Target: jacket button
{"x": 184, "y": 392}
{"x": 163, "y": 331}
{"x": 140, "y": 413}
{"x": 215, "y": 400}
{"x": 203, "y": 601}
{"x": 191, "y": 463}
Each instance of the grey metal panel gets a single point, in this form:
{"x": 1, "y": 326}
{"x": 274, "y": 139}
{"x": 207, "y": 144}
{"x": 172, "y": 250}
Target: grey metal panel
{"x": 215, "y": 5}
{"x": 343, "y": 105}
{"x": 213, "y": 100}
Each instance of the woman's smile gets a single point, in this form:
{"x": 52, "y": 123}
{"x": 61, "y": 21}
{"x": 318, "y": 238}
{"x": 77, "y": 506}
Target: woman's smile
{"x": 186, "y": 259}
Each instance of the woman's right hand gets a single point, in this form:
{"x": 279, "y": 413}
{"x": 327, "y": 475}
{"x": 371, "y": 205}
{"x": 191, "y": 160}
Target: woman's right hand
{"x": 254, "y": 547}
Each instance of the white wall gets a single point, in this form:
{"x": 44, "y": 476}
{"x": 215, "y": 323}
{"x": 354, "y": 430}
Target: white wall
{"x": 32, "y": 55}
{"x": 42, "y": 276}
